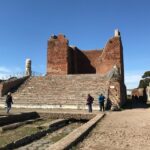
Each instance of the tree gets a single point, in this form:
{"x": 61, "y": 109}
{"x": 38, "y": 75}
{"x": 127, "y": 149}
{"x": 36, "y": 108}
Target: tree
{"x": 146, "y": 74}
{"x": 145, "y": 81}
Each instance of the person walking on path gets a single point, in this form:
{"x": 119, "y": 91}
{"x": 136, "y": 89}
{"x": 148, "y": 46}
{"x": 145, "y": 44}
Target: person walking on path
{"x": 89, "y": 102}
{"x": 101, "y": 100}
{"x": 9, "y": 102}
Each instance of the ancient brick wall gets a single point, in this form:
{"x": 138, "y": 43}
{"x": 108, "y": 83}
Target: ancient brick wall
{"x": 83, "y": 64}
{"x": 57, "y": 55}
{"x": 111, "y": 55}
{"x": 114, "y": 93}
{"x": 72, "y": 61}
{"x": 10, "y": 85}
{"x": 63, "y": 59}
{"x": 93, "y": 57}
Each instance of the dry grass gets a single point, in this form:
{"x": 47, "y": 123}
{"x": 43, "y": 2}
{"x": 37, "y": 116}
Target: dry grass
{"x": 25, "y": 130}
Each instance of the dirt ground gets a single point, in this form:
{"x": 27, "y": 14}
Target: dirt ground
{"x": 128, "y": 129}
{"x": 124, "y": 130}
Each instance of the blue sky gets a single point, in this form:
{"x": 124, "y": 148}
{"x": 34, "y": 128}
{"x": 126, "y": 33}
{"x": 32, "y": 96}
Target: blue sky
{"x": 26, "y": 25}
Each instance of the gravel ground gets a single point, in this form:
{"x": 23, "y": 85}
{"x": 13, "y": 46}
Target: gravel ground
{"x": 125, "y": 130}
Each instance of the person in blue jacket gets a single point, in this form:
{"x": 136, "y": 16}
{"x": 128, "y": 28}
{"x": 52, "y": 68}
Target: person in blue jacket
{"x": 101, "y": 100}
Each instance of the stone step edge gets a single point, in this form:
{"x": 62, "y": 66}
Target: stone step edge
{"x": 77, "y": 135}
{"x": 51, "y": 106}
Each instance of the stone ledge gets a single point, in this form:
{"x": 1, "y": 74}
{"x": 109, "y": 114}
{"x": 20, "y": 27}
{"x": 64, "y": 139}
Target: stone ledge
{"x": 77, "y": 135}
{"x": 51, "y": 106}
{"x": 68, "y": 115}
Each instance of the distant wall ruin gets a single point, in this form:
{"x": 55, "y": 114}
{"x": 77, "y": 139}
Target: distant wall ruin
{"x": 65, "y": 59}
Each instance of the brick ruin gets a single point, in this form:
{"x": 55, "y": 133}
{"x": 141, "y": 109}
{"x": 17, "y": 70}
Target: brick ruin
{"x": 64, "y": 59}
{"x": 72, "y": 74}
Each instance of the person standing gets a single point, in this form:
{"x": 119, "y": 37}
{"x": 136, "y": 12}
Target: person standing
{"x": 9, "y": 102}
{"x": 90, "y": 100}
{"x": 101, "y": 100}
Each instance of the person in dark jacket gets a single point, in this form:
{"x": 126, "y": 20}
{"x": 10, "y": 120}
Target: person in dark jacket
{"x": 101, "y": 100}
{"x": 89, "y": 102}
{"x": 9, "y": 102}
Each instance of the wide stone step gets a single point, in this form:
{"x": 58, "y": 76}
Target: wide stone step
{"x": 60, "y": 90}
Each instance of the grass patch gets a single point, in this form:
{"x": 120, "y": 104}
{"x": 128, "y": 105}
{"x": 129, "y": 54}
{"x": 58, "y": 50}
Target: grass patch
{"x": 58, "y": 137}
{"x": 61, "y": 133}
{"x": 13, "y": 135}
{"x": 20, "y": 132}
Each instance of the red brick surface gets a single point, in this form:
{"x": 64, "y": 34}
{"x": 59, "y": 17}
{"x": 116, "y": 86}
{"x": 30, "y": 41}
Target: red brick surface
{"x": 112, "y": 55}
{"x": 57, "y": 55}
{"x": 63, "y": 59}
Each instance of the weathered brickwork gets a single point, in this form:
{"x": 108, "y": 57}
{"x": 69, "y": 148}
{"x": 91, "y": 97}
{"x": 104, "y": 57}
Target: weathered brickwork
{"x": 64, "y": 59}
{"x": 112, "y": 55}
{"x": 57, "y": 55}
{"x": 73, "y": 73}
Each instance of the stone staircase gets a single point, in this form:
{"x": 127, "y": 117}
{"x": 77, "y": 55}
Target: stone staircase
{"x": 61, "y": 90}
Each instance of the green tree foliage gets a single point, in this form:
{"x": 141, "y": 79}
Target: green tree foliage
{"x": 145, "y": 81}
{"x": 146, "y": 74}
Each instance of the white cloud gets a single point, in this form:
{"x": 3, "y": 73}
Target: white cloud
{"x": 4, "y": 70}
{"x": 132, "y": 78}
{"x": 8, "y": 72}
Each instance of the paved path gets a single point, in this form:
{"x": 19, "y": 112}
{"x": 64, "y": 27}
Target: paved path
{"x": 125, "y": 130}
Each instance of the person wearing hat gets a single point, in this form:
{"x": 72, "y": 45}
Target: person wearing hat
{"x": 9, "y": 101}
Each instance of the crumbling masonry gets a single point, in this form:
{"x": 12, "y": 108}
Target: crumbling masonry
{"x": 63, "y": 59}
{"x": 72, "y": 74}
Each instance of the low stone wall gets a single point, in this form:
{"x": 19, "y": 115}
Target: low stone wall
{"x": 17, "y": 124}
{"x": 77, "y": 116}
{"x": 9, "y": 85}
{"x": 17, "y": 118}
{"x": 77, "y": 135}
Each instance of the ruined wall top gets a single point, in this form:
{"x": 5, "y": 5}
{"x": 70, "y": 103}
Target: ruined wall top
{"x": 117, "y": 33}
{"x": 63, "y": 58}
{"x": 60, "y": 37}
